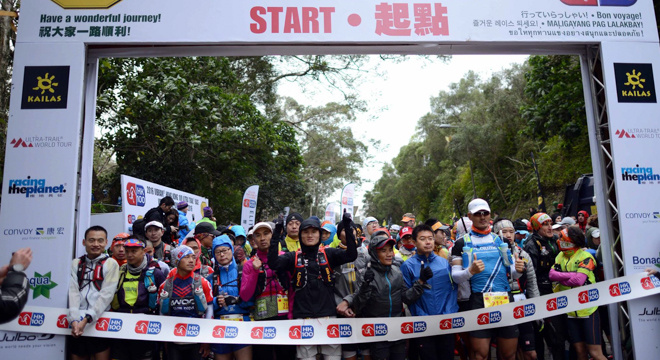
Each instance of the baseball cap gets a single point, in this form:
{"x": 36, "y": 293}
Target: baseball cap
{"x": 477, "y": 205}
{"x": 395, "y": 227}
{"x": 380, "y": 238}
{"x": 567, "y": 221}
{"x": 261, "y": 225}
{"x": 133, "y": 243}
{"x": 155, "y": 223}
{"x": 595, "y": 233}
{"x": 408, "y": 217}
{"x": 206, "y": 227}
{"x": 406, "y": 230}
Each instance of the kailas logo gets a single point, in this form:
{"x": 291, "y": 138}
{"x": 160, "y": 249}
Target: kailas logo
{"x": 62, "y": 322}
{"x": 374, "y": 330}
{"x": 413, "y": 327}
{"x": 31, "y": 319}
{"x": 588, "y": 296}
{"x": 31, "y": 187}
{"x": 301, "y": 332}
{"x": 188, "y": 330}
{"x": 649, "y": 283}
{"x": 455, "y": 323}
{"x": 556, "y": 303}
{"x": 41, "y": 285}
{"x": 339, "y": 331}
{"x": 622, "y": 288}
{"x": 602, "y": 2}
{"x": 267, "y": 332}
{"x": 135, "y": 194}
{"x": 86, "y": 4}
{"x": 148, "y": 327}
{"x": 639, "y": 174}
{"x": 489, "y": 318}
{"x": 20, "y": 143}
{"x": 634, "y": 83}
{"x": 225, "y": 332}
{"x": 45, "y": 87}
{"x": 109, "y": 324}
{"x": 520, "y": 312}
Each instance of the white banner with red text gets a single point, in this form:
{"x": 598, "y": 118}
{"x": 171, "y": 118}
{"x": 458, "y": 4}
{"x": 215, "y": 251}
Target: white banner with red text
{"x": 336, "y": 330}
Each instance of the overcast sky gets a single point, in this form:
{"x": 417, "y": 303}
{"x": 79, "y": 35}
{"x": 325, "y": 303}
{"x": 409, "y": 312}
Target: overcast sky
{"x": 397, "y": 100}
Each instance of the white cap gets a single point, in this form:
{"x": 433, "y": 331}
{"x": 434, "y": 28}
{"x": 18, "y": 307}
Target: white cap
{"x": 261, "y": 225}
{"x": 156, "y": 223}
{"x": 477, "y": 205}
{"x": 595, "y": 233}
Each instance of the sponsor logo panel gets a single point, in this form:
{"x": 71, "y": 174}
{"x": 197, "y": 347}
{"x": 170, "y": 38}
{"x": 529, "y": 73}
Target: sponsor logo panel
{"x": 339, "y": 331}
{"x": 45, "y": 87}
{"x": 31, "y": 319}
{"x": 374, "y": 330}
{"x": 634, "y": 83}
{"x": 109, "y": 324}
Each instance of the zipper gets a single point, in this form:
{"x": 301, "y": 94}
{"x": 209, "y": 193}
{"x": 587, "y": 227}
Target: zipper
{"x": 390, "y": 292}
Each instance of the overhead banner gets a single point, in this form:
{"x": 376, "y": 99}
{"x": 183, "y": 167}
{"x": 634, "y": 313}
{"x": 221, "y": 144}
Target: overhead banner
{"x": 347, "y": 194}
{"x": 212, "y": 21}
{"x": 249, "y": 206}
{"x": 331, "y": 212}
{"x": 338, "y": 330}
{"x": 139, "y": 196}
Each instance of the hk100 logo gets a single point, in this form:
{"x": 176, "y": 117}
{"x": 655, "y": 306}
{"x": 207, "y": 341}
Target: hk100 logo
{"x": 556, "y": 303}
{"x": 339, "y": 331}
{"x": 413, "y": 327}
{"x": 588, "y": 296}
{"x": 520, "y": 312}
{"x": 31, "y": 319}
{"x": 454, "y": 323}
{"x": 622, "y": 288}
{"x": 489, "y": 318}
{"x": 369, "y": 330}
{"x": 148, "y": 327}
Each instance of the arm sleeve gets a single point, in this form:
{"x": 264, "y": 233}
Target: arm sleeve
{"x": 248, "y": 281}
{"x": 74, "y": 293}
{"x": 515, "y": 274}
{"x": 108, "y": 289}
{"x": 13, "y": 295}
{"x": 571, "y": 279}
{"x": 532, "y": 285}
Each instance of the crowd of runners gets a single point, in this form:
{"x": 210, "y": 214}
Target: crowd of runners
{"x": 296, "y": 268}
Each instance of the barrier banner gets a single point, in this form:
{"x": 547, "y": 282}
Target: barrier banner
{"x": 347, "y": 194}
{"x": 334, "y": 330}
{"x": 249, "y": 206}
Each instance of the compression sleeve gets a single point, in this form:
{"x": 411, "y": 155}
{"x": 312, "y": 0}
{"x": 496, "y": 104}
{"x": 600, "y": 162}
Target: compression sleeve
{"x": 459, "y": 274}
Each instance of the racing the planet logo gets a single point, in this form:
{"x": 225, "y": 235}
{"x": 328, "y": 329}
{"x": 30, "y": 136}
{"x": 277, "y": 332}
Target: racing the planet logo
{"x": 337, "y": 331}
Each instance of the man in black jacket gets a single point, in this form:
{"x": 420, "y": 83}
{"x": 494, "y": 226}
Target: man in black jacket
{"x": 14, "y": 289}
{"x": 159, "y": 214}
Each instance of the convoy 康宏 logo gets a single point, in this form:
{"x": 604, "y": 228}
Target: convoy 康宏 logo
{"x": 454, "y": 323}
{"x": 45, "y": 87}
{"x": 413, "y": 327}
{"x": 337, "y": 331}
{"x": 86, "y": 4}
{"x": 225, "y": 332}
{"x": 301, "y": 332}
{"x": 369, "y": 330}
{"x": 622, "y": 288}
{"x": 602, "y": 2}
{"x": 634, "y": 83}
{"x": 31, "y": 319}
{"x": 148, "y": 327}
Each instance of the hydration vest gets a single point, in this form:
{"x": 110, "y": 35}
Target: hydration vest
{"x": 149, "y": 284}
{"x": 468, "y": 257}
{"x": 97, "y": 274}
{"x": 197, "y": 290}
{"x": 300, "y": 272}
{"x": 216, "y": 279}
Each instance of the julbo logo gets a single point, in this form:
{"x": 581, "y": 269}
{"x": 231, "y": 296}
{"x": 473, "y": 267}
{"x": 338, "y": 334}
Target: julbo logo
{"x": 588, "y": 296}
{"x": 301, "y": 332}
{"x": 374, "y": 330}
{"x": 267, "y": 332}
{"x": 225, "y": 332}
{"x": 62, "y": 322}
{"x": 413, "y": 327}
{"x": 489, "y": 318}
{"x": 455, "y": 323}
{"x": 182, "y": 329}
{"x": 31, "y": 319}
{"x": 337, "y": 331}
{"x": 556, "y": 303}
{"x": 619, "y": 289}
{"x": 520, "y": 312}
{"x": 108, "y": 324}
{"x": 148, "y": 327}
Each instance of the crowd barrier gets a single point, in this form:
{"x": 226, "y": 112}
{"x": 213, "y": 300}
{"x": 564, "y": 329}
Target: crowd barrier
{"x": 336, "y": 330}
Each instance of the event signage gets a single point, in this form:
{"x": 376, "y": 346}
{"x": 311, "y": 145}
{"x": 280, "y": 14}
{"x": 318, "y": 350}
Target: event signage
{"x": 249, "y": 206}
{"x": 140, "y": 196}
{"x": 347, "y": 194}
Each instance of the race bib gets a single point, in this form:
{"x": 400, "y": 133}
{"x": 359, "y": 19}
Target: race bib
{"x": 519, "y": 297}
{"x": 495, "y": 298}
{"x": 282, "y": 304}
{"x": 232, "y": 317}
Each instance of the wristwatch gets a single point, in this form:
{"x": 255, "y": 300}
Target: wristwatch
{"x": 17, "y": 267}
{"x": 89, "y": 318}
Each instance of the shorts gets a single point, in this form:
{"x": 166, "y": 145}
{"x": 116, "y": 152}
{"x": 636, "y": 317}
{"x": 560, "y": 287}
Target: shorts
{"x": 330, "y": 352}
{"x": 526, "y": 339}
{"x": 226, "y": 348}
{"x": 585, "y": 330}
{"x": 504, "y": 332}
{"x": 132, "y": 349}
{"x": 85, "y": 346}
{"x": 464, "y": 306}
{"x": 349, "y": 350}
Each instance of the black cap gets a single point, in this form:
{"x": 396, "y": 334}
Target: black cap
{"x": 309, "y": 223}
{"x": 519, "y": 225}
{"x": 294, "y": 216}
{"x": 206, "y": 228}
{"x": 379, "y": 239}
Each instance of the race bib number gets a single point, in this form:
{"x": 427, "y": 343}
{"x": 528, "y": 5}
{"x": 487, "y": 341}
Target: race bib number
{"x": 495, "y": 298}
{"x": 282, "y": 304}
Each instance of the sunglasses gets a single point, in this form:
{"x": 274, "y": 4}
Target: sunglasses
{"x": 481, "y": 213}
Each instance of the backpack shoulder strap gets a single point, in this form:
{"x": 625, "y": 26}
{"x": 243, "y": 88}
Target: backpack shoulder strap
{"x": 81, "y": 270}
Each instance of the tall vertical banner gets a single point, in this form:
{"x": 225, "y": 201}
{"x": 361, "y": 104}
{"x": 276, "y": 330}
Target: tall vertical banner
{"x": 347, "y": 194}
{"x": 331, "y": 212}
{"x": 141, "y": 195}
{"x": 249, "y": 206}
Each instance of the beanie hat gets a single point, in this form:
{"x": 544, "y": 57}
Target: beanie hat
{"x": 368, "y": 220}
{"x": 181, "y": 205}
{"x": 502, "y": 224}
{"x": 294, "y": 216}
{"x": 538, "y": 219}
{"x": 208, "y": 212}
{"x": 180, "y": 252}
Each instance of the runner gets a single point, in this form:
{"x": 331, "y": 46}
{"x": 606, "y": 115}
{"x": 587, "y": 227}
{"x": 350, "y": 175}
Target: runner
{"x": 290, "y": 242}
{"x": 162, "y": 251}
{"x": 117, "y": 248}
{"x": 92, "y": 286}
{"x": 407, "y": 248}
{"x": 137, "y": 293}
{"x": 185, "y": 294}
{"x": 204, "y": 270}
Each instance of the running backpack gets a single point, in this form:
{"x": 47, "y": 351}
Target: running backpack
{"x": 300, "y": 272}
{"x": 149, "y": 284}
{"x": 97, "y": 276}
{"x": 198, "y": 294}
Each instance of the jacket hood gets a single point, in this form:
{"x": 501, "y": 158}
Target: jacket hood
{"x": 222, "y": 240}
{"x": 586, "y": 216}
{"x": 309, "y": 223}
{"x": 238, "y": 230}
{"x": 333, "y": 231}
